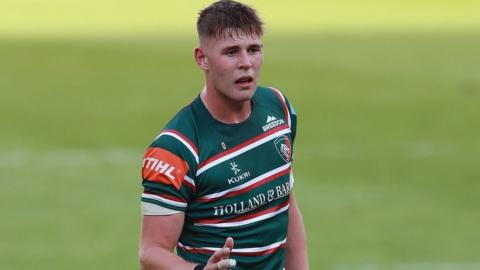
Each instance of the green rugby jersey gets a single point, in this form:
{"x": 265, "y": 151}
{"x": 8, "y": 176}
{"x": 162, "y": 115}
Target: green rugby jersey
{"x": 229, "y": 179}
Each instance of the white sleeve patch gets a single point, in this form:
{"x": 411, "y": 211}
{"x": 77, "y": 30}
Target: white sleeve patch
{"x": 151, "y": 209}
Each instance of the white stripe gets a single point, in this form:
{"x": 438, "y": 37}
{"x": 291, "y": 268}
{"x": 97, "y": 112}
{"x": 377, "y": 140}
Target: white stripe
{"x": 285, "y": 104}
{"x": 241, "y": 250}
{"x": 245, "y": 222}
{"x": 189, "y": 147}
{"x": 242, "y": 150}
{"x": 164, "y": 200}
{"x": 190, "y": 180}
{"x": 249, "y": 183}
{"x": 151, "y": 209}
{"x": 249, "y": 250}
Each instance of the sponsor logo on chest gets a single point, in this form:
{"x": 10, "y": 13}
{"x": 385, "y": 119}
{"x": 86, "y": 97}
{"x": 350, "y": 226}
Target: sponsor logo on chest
{"x": 272, "y": 122}
{"x": 284, "y": 148}
{"x": 238, "y": 174}
{"x": 252, "y": 203}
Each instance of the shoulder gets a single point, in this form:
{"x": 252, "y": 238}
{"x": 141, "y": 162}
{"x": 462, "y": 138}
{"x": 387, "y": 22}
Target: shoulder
{"x": 169, "y": 164}
{"x": 274, "y": 99}
{"x": 271, "y": 95}
{"x": 267, "y": 93}
{"x": 179, "y": 135}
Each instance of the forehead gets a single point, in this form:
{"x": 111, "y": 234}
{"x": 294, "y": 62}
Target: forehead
{"x": 231, "y": 38}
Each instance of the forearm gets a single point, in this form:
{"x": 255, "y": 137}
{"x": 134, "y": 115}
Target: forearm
{"x": 296, "y": 257}
{"x": 156, "y": 258}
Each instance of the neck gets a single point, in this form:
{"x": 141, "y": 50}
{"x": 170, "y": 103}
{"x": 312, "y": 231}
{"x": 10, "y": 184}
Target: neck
{"x": 225, "y": 110}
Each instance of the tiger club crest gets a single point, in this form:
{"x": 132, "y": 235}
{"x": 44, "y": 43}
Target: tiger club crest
{"x": 284, "y": 148}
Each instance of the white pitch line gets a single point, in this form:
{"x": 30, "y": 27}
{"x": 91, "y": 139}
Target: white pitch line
{"x": 68, "y": 157}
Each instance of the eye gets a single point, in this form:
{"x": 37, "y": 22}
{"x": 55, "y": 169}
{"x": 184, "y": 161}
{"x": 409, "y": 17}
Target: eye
{"x": 253, "y": 50}
{"x": 230, "y": 52}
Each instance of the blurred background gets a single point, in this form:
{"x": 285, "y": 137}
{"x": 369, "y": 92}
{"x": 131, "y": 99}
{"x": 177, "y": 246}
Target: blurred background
{"x": 387, "y": 153}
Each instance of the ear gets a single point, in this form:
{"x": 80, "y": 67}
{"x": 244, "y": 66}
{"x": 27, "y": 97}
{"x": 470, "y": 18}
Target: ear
{"x": 201, "y": 58}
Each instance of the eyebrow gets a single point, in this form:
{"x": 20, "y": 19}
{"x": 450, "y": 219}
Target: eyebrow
{"x": 226, "y": 49}
{"x": 236, "y": 47}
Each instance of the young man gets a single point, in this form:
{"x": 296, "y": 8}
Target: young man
{"x": 217, "y": 180}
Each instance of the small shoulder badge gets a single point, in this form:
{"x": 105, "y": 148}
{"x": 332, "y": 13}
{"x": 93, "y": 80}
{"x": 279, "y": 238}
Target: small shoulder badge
{"x": 284, "y": 149}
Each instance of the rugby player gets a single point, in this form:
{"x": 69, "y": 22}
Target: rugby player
{"x": 217, "y": 179}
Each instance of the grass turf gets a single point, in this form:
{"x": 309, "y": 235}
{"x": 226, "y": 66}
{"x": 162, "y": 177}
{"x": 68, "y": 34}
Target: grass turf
{"x": 386, "y": 154}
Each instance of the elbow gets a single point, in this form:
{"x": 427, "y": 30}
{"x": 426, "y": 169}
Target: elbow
{"x": 144, "y": 258}
{"x": 152, "y": 258}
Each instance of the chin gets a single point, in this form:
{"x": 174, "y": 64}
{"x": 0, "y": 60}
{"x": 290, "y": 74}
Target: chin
{"x": 246, "y": 98}
{"x": 241, "y": 97}
{"x": 250, "y": 88}
{"x": 250, "y": 91}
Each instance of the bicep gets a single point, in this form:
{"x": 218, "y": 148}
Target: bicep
{"x": 161, "y": 231}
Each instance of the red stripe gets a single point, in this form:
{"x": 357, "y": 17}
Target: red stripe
{"x": 284, "y": 105}
{"x": 196, "y": 250}
{"x": 170, "y": 197}
{"x": 242, "y": 145}
{"x": 248, "y": 188}
{"x": 244, "y": 217}
{"x": 183, "y": 137}
{"x": 188, "y": 185}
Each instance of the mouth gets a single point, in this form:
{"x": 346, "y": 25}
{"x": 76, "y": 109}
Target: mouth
{"x": 244, "y": 81}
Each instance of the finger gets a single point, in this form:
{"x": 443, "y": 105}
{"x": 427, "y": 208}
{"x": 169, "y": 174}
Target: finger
{"x": 228, "y": 243}
{"x": 219, "y": 254}
{"x": 226, "y": 264}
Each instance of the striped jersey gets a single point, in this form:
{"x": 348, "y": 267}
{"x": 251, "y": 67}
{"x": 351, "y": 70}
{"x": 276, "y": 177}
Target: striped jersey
{"x": 229, "y": 179}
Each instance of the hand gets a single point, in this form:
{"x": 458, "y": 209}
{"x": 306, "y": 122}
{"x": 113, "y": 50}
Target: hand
{"x": 220, "y": 260}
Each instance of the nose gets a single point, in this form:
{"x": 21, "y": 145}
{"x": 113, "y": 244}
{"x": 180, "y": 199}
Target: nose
{"x": 244, "y": 61}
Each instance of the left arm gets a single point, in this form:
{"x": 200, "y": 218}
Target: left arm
{"x": 296, "y": 250}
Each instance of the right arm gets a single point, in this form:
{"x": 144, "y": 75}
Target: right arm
{"x": 159, "y": 236}
{"x": 164, "y": 169}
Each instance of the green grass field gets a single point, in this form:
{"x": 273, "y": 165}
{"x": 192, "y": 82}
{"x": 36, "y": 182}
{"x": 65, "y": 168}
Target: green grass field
{"x": 387, "y": 154}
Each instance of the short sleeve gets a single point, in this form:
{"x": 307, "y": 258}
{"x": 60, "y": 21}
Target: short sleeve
{"x": 167, "y": 174}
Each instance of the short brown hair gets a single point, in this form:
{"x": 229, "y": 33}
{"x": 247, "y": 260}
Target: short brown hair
{"x": 227, "y": 17}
